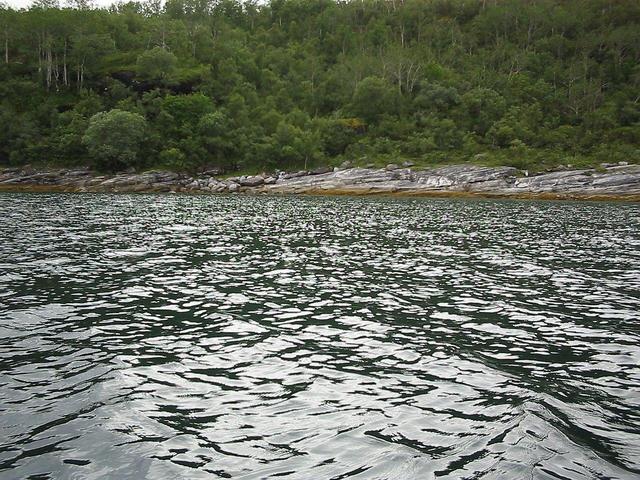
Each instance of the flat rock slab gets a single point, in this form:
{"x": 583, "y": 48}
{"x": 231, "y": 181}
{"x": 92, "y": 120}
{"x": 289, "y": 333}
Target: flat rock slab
{"x": 619, "y": 181}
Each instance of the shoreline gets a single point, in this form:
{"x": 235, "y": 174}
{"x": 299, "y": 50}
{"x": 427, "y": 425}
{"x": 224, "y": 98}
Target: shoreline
{"x": 611, "y": 183}
{"x": 351, "y": 193}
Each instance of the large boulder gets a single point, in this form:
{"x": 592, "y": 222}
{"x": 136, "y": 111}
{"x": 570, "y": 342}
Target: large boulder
{"x": 166, "y": 177}
{"x": 77, "y": 173}
{"x": 253, "y": 181}
{"x": 212, "y": 172}
{"x": 320, "y": 170}
{"x": 301, "y": 173}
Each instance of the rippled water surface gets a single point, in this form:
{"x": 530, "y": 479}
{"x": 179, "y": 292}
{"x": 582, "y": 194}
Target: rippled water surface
{"x": 190, "y": 337}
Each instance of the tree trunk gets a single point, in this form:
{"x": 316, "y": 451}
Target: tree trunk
{"x": 56, "y": 72}
{"x": 39, "y": 55}
{"x": 65, "y": 78}
{"x": 49, "y": 67}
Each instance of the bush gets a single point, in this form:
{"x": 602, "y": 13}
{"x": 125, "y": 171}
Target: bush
{"x": 114, "y": 138}
{"x": 173, "y": 159}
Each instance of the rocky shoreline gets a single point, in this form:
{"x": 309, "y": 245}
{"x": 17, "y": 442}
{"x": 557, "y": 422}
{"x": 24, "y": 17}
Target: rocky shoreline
{"x": 615, "y": 182}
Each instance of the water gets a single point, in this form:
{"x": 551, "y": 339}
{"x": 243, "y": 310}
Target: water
{"x": 318, "y": 338}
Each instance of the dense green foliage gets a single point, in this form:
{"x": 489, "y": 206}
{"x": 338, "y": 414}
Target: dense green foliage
{"x": 200, "y": 84}
{"x": 114, "y": 138}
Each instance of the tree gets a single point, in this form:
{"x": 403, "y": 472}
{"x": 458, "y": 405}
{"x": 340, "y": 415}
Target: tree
{"x": 436, "y": 98}
{"x": 8, "y": 19}
{"x": 114, "y": 138}
{"x": 87, "y": 52}
{"x": 156, "y": 64}
{"x": 187, "y": 109}
{"x": 215, "y": 133}
{"x": 373, "y": 97}
{"x": 520, "y": 124}
{"x": 481, "y": 108}
{"x": 274, "y": 84}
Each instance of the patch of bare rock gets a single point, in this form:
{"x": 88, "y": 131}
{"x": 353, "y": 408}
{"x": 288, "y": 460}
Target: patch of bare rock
{"x": 612, "y": 180}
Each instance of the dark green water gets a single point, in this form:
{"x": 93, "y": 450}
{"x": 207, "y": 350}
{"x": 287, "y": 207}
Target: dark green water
{"x": 188, "y": 337}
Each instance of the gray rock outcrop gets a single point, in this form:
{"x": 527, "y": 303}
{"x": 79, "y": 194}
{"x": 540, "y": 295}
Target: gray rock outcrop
{"x": 610, "y": 181}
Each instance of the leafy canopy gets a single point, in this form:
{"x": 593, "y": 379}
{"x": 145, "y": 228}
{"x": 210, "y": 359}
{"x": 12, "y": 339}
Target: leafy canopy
{"x": 114, "y": 138}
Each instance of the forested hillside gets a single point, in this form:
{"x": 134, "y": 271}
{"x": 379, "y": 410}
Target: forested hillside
{"x": 201, "y": 84}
